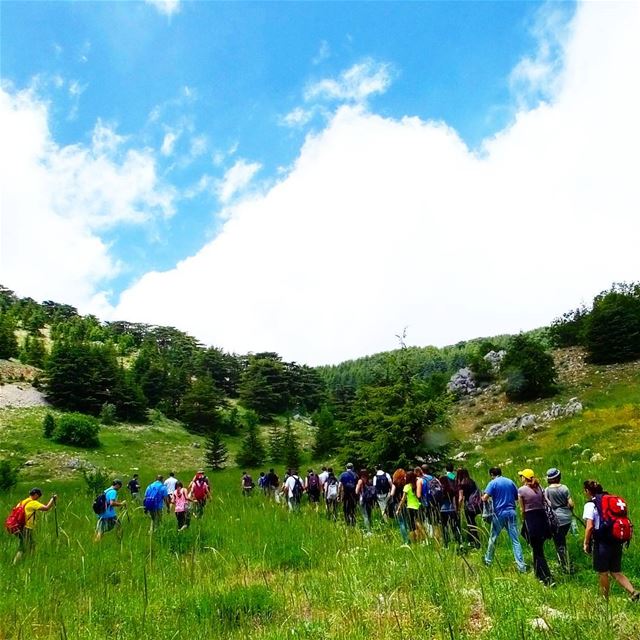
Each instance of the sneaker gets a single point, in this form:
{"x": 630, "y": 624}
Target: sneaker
{"x": 635, "y": 596}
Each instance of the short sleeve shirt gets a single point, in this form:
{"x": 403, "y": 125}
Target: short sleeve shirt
{"x": 558, "y": 496}
{"x": 412, "y": 499}
{"x": 533, "y": 500}
{"x": 30, "y": 508}
{"x": 290, "y": 484}
{"x": 110, "y": 512}
{"x": 591, "y": 513}
{"x": 503, "y": 493}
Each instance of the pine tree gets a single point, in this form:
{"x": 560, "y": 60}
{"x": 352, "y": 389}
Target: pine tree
{"x": 291, "y": 446}
{"x": 200, "y": 408}
{"x": 252, "y": 452}
{"x": 216, "y": 452}
{"x": 8, "y": 342}
{"x": 326, "y": 441}
{"x": 276, "y": 450}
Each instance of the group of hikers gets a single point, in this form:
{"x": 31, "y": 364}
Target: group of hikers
{"x": 429, "y": 506}
{"x": 426, "y": 506}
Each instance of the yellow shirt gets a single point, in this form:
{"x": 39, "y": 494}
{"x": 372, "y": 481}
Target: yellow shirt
{"x": 31, "y": 506}
{"x": 412, "y": 500}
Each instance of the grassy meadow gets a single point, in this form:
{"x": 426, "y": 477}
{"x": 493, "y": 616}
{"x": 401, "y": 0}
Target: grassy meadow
{"x": 249, "y": 569}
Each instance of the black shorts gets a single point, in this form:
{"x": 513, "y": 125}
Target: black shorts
{"x": 607, "y": 557}
{"x": 314, "y": 496}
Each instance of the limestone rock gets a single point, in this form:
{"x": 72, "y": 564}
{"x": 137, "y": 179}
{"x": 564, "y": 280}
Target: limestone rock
{"x": 462, "y": 383}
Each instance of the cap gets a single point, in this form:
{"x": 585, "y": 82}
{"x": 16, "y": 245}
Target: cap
{"x": 117, "y": 481}
{"x": 349, "y": 465}
{"x": 527, "y": 473}
{"x": 553, "y": 473}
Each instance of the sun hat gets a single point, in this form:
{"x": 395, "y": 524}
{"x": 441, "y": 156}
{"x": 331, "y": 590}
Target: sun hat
{"x": 527, "y": 473}
{"x": 553, "y": 473}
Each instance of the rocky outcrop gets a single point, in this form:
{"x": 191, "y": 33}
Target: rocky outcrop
{"x": 462, "y": 383}
{"x": 494, "y": 358}
{"x": 572, "y": 408}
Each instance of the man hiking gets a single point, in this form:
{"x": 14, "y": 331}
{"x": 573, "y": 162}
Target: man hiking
{"x": 170, "y": 484}
{"x": 503, "y": 494}
{"x": 108, "y": 520}
{"x": 154, "y": 501}
{"x": 26, "y": 511}
{"x": 134, "y": 487}
{"x": 348, "y": 481}
{"x": 293, "y": 489}
{"x": 382, "y": 485}
{"x": 272, "y": 482}
{"x": 313, "y": 487}
{"x": 246, "y": 484}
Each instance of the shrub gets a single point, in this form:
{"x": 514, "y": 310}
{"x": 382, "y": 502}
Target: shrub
{"x": 528, "y": 369}
{"x": 569, "y": 329}
{"x": 8, "y": 475}
{"x": 48, "y": 426}
{"x": 613, "y": 327}
{"x": 108, "y": 414}
{"x": 96, "y": 480}
{"x": 78, "y": 430}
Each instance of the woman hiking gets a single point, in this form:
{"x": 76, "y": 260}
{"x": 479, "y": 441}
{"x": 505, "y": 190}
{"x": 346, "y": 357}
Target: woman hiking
{"x": 535, "y": 529}
{"x": 470, "y": 503}
{"x": 559, "y": 499}
{"x": 366, "y": 497}
{"x": 410, "y": 501}
{"x": 601, "y": 545}
{"x": 180, "y": 501}
{"x": 31, "y": 505}
{"x": 398, "y": 481}
{"x": 449, "y": 518}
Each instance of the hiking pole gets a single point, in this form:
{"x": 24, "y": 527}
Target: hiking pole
{"x": 55, "y": 514}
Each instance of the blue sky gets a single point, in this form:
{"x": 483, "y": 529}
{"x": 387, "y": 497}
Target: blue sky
{"x": 164, "y": 123}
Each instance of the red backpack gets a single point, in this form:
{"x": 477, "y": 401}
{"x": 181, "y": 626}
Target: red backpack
{"x": 199, "y": 490}
{"x": 614, "y": 518}
{"x": 16, "y": 520}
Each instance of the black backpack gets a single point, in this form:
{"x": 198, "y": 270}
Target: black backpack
{"x": 383, "y": 486}
{"x": 297, "y": 490}
{"x": 100, "y": 504}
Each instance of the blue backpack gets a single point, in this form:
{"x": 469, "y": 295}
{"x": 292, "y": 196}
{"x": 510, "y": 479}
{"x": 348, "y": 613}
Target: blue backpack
{"x": 153, "y": 498}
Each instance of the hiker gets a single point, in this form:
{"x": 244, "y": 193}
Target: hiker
{"x": 398, "y": 481}
{"x": 429, "y": 492}
{"x": 470, "y": 502}
{"x": 154, "y": 501}
{"x": 331, "y": 491}
{"x": 180, "y": 500}
{"x": 293, "y": 488}
{"x": 366, "y": 493}
{"x": 262, "y": 482}
{"x": 503, "y": 494}
{"x": 200, "y": 491}
{"x": 170, "y": 484}
{"x": 322, "y": 476}
{"x": 313, "y": 487}
{"x": 347, "y": 494}
{"x": 134, "y": 488}
{"x": 449, "y": 518}
{"x": 24, "y": 514}
{"x": 108, "y": 520}
{"x": 535, "y": 527}
{"x": 410, "y": 501}
{"x": 272, "y": 482}
{"x": 559, "y": 499}
{"x": 246, "y": 484}
{"x": 382, "y": 485}
{"x": 602, "y": 541}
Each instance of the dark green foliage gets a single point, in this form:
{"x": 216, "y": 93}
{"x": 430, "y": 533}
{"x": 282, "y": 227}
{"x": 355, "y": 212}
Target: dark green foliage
{"x": 216, "y": 452}
{"x": 8, "y": 342}
{"x": 252, "y": 451}
{"x": 200, "y": 408}
{"x": 223, "y": 368}
{"x": 128, "y": 398}
{"x": 108, "y": 414}
{"x": 264, "y": 386}
{"x": 528, "y": 369}
{"x": 33, "y": 351}
{"x": 327, "y": 440}
{"x": 78, "y": 430}
{"x": 291, "y": 453}
{"x": 96, "y": 480}
{"x": 232, "y": 421}
{"x": 276, "y": 445}
{"x": 569, "y": 329}
{"x": 8, "y": 475}
{"x": 613, "y": 326}
{"x": 395, "y": 422}
{"x": 482, "y": 369}
{"x": 48, "y": 426}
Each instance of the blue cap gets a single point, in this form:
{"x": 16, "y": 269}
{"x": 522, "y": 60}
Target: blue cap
{"x": 553, "y": 473}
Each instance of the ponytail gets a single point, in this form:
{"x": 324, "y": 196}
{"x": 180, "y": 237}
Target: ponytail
{"x": 593, "y": 487}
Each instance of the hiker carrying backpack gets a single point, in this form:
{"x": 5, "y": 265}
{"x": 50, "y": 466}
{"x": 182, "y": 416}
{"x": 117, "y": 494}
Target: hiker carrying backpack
{"x": 313, "y": 483}
{"x": 16, "y": 520}
{"x": 383, "y": 486}
{"x": 615, "y": 525}
{"x": 297, "y": 489}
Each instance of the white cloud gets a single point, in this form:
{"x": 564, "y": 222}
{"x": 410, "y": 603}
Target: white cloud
{"x": 168, "y": 142}
{"x": 56, "y": 200}
{"x": 165, "y": 7}
{"x": 236, "y": 179}
{"x": 385, "y": 223}
{"x": 324, "y": 52}
{"x": 355, "y": 84}
{"x": 198, "y": 146}
{"x": 298, "y": 117}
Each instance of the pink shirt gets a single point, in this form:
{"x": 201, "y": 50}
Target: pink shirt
{"x": 180, "y": 500}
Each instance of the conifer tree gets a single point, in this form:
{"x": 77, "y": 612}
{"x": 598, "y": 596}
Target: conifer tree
{"x": 8, "y": 342}
{"x": 276, "y": 450}
{"x": 326, "y": 441}
{"x": 291, "y": 446}
{"x": 216, "y": 452}
{"x": 252, "y": 452}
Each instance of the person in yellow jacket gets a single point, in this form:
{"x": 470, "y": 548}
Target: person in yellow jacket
{"x": 32, "y": 505}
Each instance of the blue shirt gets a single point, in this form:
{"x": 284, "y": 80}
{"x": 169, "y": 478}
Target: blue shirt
{"x": 349, "y": 479}
{"x": 159, "y": 492}
{"x": 504, "y": 494}
{"x": 110, "y": 512}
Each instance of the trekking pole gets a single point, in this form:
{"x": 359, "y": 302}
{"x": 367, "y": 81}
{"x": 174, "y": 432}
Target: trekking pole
{"x": 55, "y": 515}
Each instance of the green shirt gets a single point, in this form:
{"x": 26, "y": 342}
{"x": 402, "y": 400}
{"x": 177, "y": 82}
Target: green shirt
{"x": 412, "y": 499}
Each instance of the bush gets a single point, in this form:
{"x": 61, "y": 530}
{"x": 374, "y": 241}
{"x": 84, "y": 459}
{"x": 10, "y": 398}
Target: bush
{"x": 108, "y": 414}
{"x": 528, "y": 369}
{"x": 8, "y": 475}
{"x": 613, "y": 327}
{"x": 78, "y": 430}
{"x": 48, "y": 426}
{"x": 569, "y": 329}
{"x": 96, "y": 480}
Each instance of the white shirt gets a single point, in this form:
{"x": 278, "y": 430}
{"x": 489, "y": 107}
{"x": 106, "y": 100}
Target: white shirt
{"x": 323, "y": 477}
{"x": 591, "y": 513}
{"x": 170, "y": 483}
{"x": 290, "y": 484}
{"x": 381, "y": 473}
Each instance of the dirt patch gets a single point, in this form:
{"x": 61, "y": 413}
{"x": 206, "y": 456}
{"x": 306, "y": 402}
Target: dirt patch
{"x": 21, "y": 395}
